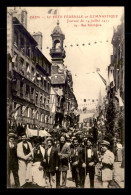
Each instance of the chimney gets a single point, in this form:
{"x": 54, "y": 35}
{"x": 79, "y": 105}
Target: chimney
{"x": 24, "y": 18}
{"x": 38, "y": 37}
{"x": 21, "y": 15}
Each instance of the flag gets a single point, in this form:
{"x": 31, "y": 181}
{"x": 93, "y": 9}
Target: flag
{"x": 14, "y": 58}
{"x": 14, "y": 111}
{"x": 49, "y": 12}
{"x": 39, "y": 78}
{"x": 117, "y": 95}
{"x": 104, "y": 81}
{"x": 28, "y": 69}
{"x": 34, "y": 112}
{"x": 23, "y": 109}
{"x": 111, "y": 79}
{"x": 10, "y": 66}
{"x": 33, "y": 78}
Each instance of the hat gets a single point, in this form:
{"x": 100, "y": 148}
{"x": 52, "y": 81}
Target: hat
{"x": 75, "y": 138}
{"x": 105, "y": 143}
{"x": 118, "y": 140}
{"x": 23, "y": 134}
{"x": 49, "y": 139}
{"x": 90, "y": 138}
{"x": 13, "y": 135}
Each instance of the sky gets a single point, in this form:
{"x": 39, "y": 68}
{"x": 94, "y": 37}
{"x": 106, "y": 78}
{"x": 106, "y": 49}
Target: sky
{"x": 81, "y": 60}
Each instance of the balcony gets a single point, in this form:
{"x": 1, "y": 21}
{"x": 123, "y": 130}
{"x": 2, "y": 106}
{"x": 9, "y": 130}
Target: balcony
{"x": 57, "y": 53}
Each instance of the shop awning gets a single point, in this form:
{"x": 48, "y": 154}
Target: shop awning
{"x": 36, "y": 132}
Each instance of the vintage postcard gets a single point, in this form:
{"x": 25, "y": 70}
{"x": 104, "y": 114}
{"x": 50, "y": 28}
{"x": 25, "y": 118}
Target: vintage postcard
{"x": 65, "y": 97}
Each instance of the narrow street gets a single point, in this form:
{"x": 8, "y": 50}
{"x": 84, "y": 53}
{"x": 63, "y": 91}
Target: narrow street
{"x": 65, "y": 97}
{"x": 71, "y": 184}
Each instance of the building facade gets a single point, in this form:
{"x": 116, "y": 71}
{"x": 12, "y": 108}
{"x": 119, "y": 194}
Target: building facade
{"x": 28, "y": 75}
{"x": 116, "y": 72}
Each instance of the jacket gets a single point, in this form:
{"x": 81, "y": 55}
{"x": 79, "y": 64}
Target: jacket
{"x": 107, "y": 165}
{"x": 93, "y": 158}
{"x": 50, "y": 166}
{"x": 12, "y": 157}
{"x": 64, "y": 159}
{"x": 76, "y": 157}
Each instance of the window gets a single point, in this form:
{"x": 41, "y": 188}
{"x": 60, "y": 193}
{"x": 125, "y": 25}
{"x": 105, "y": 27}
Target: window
{"x": 32, "y": 70}
{"x": 31, "y": 114}
{"x": 41, "y": 82}
{"x": 22, "y": 47}
{"x": 28, "y": 114}
{"x": 34, "y": 55}
{"x": 40, "y": 60}
{"x": 57, "y": 44}
{"x": 28, "y": 70}
{"x": 44, "y": 101}
{"x": 37, "y": 116}
{"x": 32, "y": 93}
{"x": 27, "y": 91}
{"x": 36, "y": 97}
{"x": 21, "y": 89}
{"x": 14, "y": 61}
{"x": 16, "y": 38}
{"x": 47, "y": 69}
{"x": 41, "y": 100}
{"x": 21, "y": 67}
{"x": 48, "y": 86}
{"x": 28, "y": 50}
{"x": 43, "y": 118}
{"x": 20, "y": 111}
{"x": 45, "y": 84}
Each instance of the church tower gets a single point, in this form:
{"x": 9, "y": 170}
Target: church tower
{"x": 58, "y": 72}
{"x": 57, "y": 51}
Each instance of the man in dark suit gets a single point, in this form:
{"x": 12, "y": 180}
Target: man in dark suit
{"x": 91, "y": 159}
{"x": 76, "y": 161}
{"x": 50, "y": 163}
{"x": 12, "y": 159}
{"x": 63, "y": 161}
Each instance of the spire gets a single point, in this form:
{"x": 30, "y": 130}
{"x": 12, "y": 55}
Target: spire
{"x": 58, "y": 23}
{"x": 100, "y": 98}
{"x": 57, "y": 29}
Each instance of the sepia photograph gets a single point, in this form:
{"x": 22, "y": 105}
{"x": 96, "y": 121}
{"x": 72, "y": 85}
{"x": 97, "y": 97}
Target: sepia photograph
{"x": 65, "y": 97}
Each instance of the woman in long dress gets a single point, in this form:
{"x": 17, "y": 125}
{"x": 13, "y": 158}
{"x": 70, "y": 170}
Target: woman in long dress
{"x": 37, "y": 168}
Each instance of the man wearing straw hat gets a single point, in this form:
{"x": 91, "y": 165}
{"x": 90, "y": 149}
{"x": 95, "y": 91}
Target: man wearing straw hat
{"x": 107, "y": 161}
{"x": 50, "y": 163}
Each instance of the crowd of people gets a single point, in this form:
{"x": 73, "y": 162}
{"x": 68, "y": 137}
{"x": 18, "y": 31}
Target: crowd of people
{"x": 45, "y": 162}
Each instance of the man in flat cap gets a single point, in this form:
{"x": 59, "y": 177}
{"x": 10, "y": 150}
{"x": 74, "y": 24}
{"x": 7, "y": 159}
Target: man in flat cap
{"x": 50, "y": 163}
{"x": 12, "y": 159}
{"x": 107, "y": 161}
